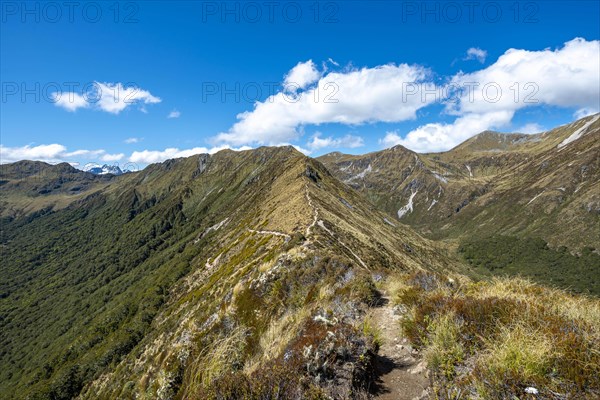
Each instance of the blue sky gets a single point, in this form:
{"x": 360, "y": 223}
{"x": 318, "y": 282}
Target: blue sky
{"x": 183, "y": 72}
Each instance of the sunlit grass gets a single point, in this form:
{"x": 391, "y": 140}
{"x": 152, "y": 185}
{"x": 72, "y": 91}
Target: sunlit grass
{"x": 498, "y": 337}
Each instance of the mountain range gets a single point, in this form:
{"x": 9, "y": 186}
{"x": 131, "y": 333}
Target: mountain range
{"x": 540, "y": 190}
{"x": 254, "y": 274}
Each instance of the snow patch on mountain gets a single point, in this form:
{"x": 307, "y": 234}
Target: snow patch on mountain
{"x": 469, "y": 169}
{"x": 409, "y": 206}
{"x": 360, "y": 175}
{"x": 432, "y": 204}
{"x": 105, "y": 170}
{"x": 578, "y": 133}
{"x": 439, "y": 177}
{"x": 346, "y": 168}
{"x": 363, "y": 173}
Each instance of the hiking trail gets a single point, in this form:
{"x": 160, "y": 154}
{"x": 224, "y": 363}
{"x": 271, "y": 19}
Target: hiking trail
{"x": 401, "y": 374}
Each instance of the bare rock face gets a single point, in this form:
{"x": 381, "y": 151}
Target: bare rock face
{"x": 203, "y": 162}
{"x": 312, "y": 174}
{"x": 341, "y": 360}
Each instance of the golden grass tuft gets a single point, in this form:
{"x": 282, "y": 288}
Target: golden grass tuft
{"x": 266, "y": 266}
{"x": 370, "y": 330}
{"x": 519, "y": 351}
{"x": 276, "y": 337}
{"x": 497, "y": 337}
{"x": 444, "y": 348}
{"x": 221, "y": 357}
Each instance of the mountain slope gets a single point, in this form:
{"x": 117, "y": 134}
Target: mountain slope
{"x": 253, "y": 275}
{"x": 543, "y": 186}
{"x": 300, "y": 269}
{"x": 128, "y": 283}
{"x": 28, "y": 187}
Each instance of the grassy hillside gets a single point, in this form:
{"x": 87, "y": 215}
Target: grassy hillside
{"x": 87, "y": 280}
{"x": 250, "y": 275}
{"x": 30, "y": 187}
{"x": 544, "y": 186}
{"x": 181, "y": 256}
{"x": 502, "y": 338}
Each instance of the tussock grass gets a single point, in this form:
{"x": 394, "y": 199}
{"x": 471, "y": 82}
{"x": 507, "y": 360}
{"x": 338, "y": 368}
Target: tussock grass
{"x": 444, "y": 348}
{"x": 363, "y": 289}
{"x": 277, "y": 335}
{"x": 493, "y": 339}
{"x": 307, "y": 367}
{"x": 395, "y": 286}
{"x": 223, "y": 356}
{"x": 519, "y": 351}
{"x": 575, "y": 307}
{"x": 266, "y": 266}
{"x": 370, "y": 330}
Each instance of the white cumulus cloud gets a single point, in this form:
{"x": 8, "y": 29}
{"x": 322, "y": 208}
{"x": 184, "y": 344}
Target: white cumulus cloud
{"x": 112, "y": 157}
{"x": 174, "y": 114}
{"x": 391, "y": 139}
{"x": 565, "y": 77}
{"x": 585, "y": 112}
{"x": 441, "y": 136}
{"x": 489, "y": 98}
{"x": 109, "y": 97}
{"x": 530, "y": 128}
{"x": 348, "y": 141}
{"x": 475, "y": 53}
{"x": 351, "y": 97}
{"x": 70, "y": 101}
{"x": 53, "y": 153}
{"x": 44, "y": 152}
{"x": 301, "y": 76}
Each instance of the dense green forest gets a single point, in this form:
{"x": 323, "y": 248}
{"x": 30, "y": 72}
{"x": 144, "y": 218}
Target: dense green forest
{"x": 80, "y": 288}
{"x": 534, "y": 259}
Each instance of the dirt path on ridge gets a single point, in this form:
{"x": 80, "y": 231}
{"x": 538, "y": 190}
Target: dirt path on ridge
{"x": 401, "y": 374}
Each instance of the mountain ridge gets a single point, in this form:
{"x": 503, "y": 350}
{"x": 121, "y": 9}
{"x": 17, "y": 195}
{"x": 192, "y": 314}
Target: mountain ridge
{"x": 181, "y": 236}
{"x": 168, "y": 282}
{"x": 464, "y": 169}
{"x": 535, "y": 189}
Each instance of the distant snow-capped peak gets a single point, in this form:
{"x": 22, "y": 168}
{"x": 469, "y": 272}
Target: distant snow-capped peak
{"x": 106, "y": 169}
